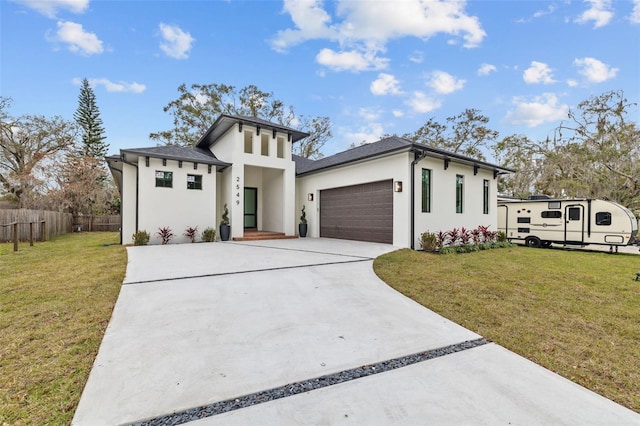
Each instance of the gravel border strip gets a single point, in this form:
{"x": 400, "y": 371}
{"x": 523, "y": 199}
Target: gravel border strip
{"x": 295, "y": 388}
{"x": 249, "y": 271}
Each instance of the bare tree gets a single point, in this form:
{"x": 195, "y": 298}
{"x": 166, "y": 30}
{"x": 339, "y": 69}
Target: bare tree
{"x": 27, "y": 143}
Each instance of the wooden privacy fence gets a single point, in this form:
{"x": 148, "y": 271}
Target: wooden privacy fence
{"x": 38, "y": 225}
{"x": 109, "y": 223}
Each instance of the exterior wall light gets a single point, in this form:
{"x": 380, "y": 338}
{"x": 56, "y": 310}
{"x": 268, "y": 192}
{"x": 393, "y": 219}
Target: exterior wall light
{"x": 397, "y": 186}
{"x": 309, "y": 197}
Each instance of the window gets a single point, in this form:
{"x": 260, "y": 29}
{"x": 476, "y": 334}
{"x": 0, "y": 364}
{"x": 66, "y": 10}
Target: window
{"x": 194, "y": 181}
{"x": 603, "y": 218}
{"x": 551, "y": 214}
{"x": 524, "y": 220}
{"x": 280, "y": 147}
{"x": 524, "y": 230}
{"x": 248, "y": 142}
{"x": 459, "y": 192}
{"x": 426, "y": 191}
{"x": 485, "y": 197}
{"x": 264, "y": 145}
{"x": 574, "y": 213}
{"x": 164, "y": 179}
{"x": 554, "y": 205}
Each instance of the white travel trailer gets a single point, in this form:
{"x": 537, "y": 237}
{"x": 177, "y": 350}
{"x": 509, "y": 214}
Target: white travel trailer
{"x": 542, "y": 221}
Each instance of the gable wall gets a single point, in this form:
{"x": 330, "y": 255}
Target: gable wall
{"x": 443, "y": 216}
{"x": 176, "y": 207}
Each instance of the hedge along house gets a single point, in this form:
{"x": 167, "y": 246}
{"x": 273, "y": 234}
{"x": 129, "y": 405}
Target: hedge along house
{"x": 388, "y": 191}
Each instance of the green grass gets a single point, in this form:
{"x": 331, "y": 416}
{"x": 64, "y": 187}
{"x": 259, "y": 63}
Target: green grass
{"x": 56, "y": 299}
{"x": 575, "y": 313}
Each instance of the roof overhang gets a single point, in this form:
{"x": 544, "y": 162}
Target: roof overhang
{"x": 446, "y": 155}
{"x": 129, "y": 155}
{"x": 226, "y": 122}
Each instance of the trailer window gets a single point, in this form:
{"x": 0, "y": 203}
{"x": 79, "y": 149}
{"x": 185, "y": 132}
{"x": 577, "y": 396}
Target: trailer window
{"x": 551, "y": 214}
{"x": 574, "y": 213}
{"x": 554, "y": 205}
{"x": 603, "y": 218}
{"x": 524, "y": 220}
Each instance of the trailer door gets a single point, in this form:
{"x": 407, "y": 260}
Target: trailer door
{"x": 574, "y": 223}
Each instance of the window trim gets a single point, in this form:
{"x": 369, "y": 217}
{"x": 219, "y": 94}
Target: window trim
{"x": 459, "y": 194}
{"x": 195, "y": 182}
{"x": 485, "y": 196}
{"x": 166, "y": 181}
{"x": 426, "y": 190}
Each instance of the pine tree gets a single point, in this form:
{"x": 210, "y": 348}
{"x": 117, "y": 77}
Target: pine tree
{"x": 88, "y": 118}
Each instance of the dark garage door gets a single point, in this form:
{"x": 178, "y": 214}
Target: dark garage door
{"x": 359, "y": 212}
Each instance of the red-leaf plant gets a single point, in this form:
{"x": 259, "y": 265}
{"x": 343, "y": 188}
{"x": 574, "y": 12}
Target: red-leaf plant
{"x": 465, "y": 236}
{"x": 476, "y": 236}
{"x": 191, "y": 233}
{"x": 441, "y": 239}
{"x": 453, "y": 235}
{"x": 166, "y": 234}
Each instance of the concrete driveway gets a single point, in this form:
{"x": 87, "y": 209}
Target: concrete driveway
{"x": 207, "y": 328}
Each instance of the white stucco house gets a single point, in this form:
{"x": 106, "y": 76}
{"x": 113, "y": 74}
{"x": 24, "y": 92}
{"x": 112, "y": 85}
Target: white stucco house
{"x": 388, "y": 191}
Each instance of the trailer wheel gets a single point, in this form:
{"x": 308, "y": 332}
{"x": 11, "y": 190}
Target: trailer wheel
{"x": 533, "y": 242}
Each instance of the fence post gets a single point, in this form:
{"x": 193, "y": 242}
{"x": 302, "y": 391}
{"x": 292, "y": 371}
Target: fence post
{"x": 15, "y": 236}
{"x": 43, "y": 229}
{"x": 31, "y": 234}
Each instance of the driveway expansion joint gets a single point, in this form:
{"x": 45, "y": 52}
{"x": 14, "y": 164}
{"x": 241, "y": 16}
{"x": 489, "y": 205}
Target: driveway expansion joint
{"x": 304, "y": 386}
{"x": 248, "y": 271}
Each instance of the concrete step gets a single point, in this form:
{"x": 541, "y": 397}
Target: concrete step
{"x": 263, "y": 235}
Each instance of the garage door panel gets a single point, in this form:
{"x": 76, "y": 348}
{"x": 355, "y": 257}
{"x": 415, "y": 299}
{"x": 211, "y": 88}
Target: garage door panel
{"x": 359, "y": 212}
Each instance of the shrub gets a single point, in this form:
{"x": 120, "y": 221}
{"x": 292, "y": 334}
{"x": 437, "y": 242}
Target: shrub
{"x": 141, "y": 238}
{"x": 209, "y": 235}
{"x": 502, "y": 236}
{"x": 225, "y": 216}
{"x": 442, "y": 237}
{"x": 428, "y": 241}
{"x": 191, "y": 233}
{"x": 447, "y": 250}
{"x": 303, "y": 217}
{"x": 166, "y": 234}
{"x": 453, "y": 235}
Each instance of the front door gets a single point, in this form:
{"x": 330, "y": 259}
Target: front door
{"x": 250, "y": 207}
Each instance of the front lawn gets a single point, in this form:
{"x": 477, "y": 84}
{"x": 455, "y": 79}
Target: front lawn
{"x": 576, "y": 313}
{"x": 56, "y": 300}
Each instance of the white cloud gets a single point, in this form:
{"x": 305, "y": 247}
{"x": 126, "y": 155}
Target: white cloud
{"x": 351, "y": 60}
{"x": 417, "y": 56}
{"x": 541, "y": 109}
{"x": 421, "y": 103}
{"x": 77, "y": 39}
{"x": 110, "y": 86}
{"x": 367, "y": 133}
{"x": 397, "y": 113}
{"x": 366, "y": 27}
{"x": 177, "y": 43}
{"x": 538, "y": 72}
{"x": 572, "y": 83}
{"x": 594, "y": 70}
{"x": 486, "y": 69}
{"x": 50, "y": 8}
{"x": 599, "y": 12}
{"x": 385, "y": 84}
{"x": 444, "y": 83}
{"x": 635, "y": 13}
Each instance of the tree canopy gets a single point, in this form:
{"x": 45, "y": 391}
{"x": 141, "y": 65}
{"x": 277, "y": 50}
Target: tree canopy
{"x": 466, "y": 134}
{"x": 27, "y": 144}
{"x": 88, "y": 118}
{"x": 199, "y": 105}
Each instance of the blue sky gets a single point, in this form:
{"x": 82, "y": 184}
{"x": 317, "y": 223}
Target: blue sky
{"x": 372, "y": 67}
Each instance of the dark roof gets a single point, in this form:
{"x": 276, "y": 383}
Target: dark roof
{"x": 179, "y": 153}
{"x": 385, "y": 146}
{"x": 225, "y": 122}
